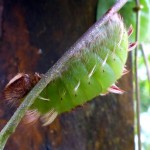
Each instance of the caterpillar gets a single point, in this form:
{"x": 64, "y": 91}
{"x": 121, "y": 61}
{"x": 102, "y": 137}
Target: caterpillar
{"x": 82, "y": 74}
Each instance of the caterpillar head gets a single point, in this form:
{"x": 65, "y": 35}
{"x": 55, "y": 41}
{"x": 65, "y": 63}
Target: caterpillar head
{"x": 19, "y": 86}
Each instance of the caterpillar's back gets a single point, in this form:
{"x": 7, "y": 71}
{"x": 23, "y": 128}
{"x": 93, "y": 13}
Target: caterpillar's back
{"x": 89, "y": 69}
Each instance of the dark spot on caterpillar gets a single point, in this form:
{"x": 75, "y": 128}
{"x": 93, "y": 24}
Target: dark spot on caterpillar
{"x": 114, "y": 59}
{"x": 89, "y": 82}
{"x": 75, "y": 95}
{"x": 61, "y": 99}
{"x": 103, "y": 70}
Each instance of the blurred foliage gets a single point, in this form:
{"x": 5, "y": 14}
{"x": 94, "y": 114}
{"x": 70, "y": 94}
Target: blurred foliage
{"x": 144, "y": 82}
{"x": 145, "y": 98}
{"x": 129, "y": 16}
{"x": 146, "y": 146}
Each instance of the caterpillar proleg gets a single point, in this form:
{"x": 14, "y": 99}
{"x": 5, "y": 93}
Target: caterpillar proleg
{"x": 82, "y": 74}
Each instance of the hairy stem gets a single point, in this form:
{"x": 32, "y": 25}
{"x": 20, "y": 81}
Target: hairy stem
{"x": 49, "y": 76}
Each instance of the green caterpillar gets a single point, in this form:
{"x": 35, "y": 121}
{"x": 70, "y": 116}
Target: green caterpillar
{"x": 82, "y": 74}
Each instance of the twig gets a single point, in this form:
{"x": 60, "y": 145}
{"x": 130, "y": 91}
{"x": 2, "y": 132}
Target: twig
{"x": 33, "y": 94}
{"x": 137, "y": 92}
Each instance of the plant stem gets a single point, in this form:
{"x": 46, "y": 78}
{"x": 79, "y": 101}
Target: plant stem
{"x": 137, "y": 92}
{"x": 49, "y": 76}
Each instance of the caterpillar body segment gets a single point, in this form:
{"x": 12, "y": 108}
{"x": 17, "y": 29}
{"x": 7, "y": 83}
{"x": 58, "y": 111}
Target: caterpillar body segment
{"x": 89, "y": 70}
